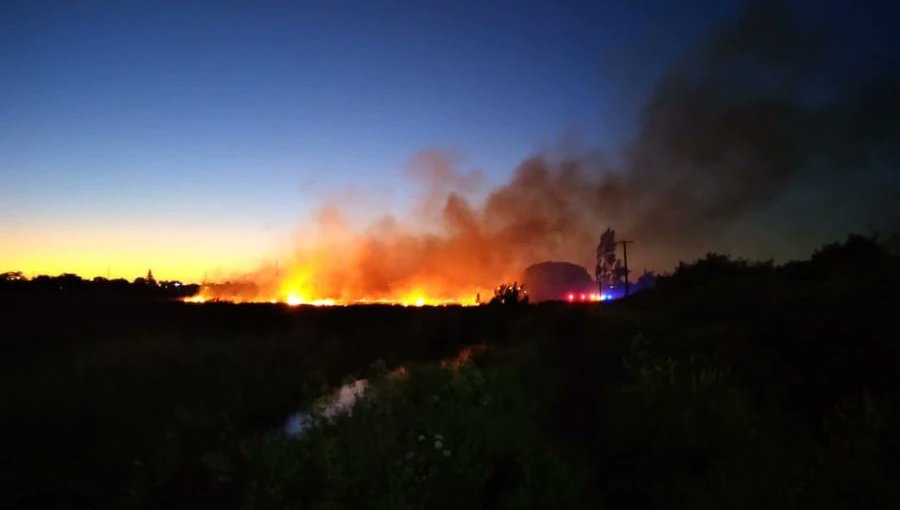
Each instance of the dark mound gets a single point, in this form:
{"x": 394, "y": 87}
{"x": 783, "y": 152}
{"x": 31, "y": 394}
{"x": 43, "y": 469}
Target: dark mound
{"x": 548, "y": 281}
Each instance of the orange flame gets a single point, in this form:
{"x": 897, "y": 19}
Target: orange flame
{"x": 447, "y": 251}
{"x": 325, "y": 283}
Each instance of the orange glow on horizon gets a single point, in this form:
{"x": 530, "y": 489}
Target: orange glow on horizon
{"x": 185, "y": 254}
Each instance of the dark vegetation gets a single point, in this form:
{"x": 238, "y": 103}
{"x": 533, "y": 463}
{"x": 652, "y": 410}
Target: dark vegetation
{"x": 731, "y": 384}
{"x": 15, "y": 285}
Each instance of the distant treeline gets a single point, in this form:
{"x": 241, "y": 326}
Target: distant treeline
{"x": 68, "y": 284}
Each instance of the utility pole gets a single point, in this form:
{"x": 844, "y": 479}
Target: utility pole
{"x": 625, "y": 258}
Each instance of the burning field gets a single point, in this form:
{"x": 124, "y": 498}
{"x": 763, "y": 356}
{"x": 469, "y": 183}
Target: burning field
{"x": 452, "y": 254}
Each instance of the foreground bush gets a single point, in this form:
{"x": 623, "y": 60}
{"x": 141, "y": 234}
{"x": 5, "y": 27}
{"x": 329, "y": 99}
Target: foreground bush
{"x": 439, "y": 438}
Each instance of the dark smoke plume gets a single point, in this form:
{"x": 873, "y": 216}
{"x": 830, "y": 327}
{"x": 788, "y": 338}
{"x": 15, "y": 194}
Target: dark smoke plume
{"x": 756, "y": 143}
{"x": 754, "y": 116}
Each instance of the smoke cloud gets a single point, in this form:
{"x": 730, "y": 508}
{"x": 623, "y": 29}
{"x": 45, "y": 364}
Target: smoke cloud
{"x": 756, "y": 140}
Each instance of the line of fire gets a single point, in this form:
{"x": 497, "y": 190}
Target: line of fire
{"x": 543, "y": 281}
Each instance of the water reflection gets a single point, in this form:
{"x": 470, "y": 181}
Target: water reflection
{"x": 297, "y": 423}
{"x": 339, "y": 402}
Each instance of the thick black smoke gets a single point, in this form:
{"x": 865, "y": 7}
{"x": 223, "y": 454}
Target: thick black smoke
{"x": 757, "y": 140}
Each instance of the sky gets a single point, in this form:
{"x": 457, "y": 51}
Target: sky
{"x": 194, "y": 137}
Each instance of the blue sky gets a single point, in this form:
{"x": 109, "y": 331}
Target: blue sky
{"x": 237, "y": 116}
